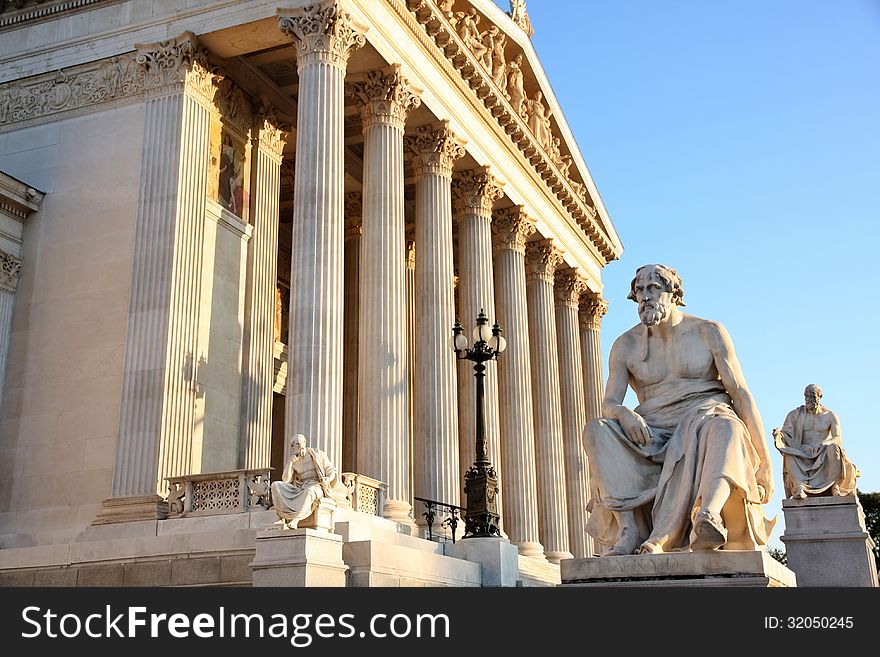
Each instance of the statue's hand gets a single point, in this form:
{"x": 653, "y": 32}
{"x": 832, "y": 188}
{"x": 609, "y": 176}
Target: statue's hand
{"x": 634, "y": 426}
{"x": 764, "y": 479}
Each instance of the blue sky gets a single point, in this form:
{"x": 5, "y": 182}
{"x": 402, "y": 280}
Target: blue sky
{"x": 739, "y": 142}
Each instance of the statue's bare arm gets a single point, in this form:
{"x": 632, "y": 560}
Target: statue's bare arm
{"x": 632, "y": 423}
{"x": 834, "y": 432}
{"x": 744, "y": 405}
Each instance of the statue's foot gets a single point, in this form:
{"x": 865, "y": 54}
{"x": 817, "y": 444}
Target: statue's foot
{"x": 649, "y": 548}
{"x": 835, "y": 490}
{"x": 709, "y": 531}
{"x": 800, "y": 493}
{"x": 626, "y": 544}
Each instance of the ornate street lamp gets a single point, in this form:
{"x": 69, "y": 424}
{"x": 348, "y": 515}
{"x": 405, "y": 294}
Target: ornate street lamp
{"x": 481, "y": 480}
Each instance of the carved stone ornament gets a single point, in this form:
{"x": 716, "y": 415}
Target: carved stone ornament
{"x": 542, "y": 259}
{"x": 386, "y": 97}
{"x": 10, "y": 270}
{"x": 511, "y": 227}
{"x": 73, "y": 89}
{"x": 272, "y": 130}
{"x": 593, "y": 307}
{"x": 434, "y": 150}
{"x": 520, "y": 17}
{"x": 475, "y": 191}
{"x": 410, "y": 255}
{"x": 168, "y": 64}
{"x": 569, "y": 287}
{"x": 323, "y": 32}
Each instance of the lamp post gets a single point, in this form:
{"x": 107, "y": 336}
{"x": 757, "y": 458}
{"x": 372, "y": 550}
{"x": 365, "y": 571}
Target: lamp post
{"x": 481, "y": 480}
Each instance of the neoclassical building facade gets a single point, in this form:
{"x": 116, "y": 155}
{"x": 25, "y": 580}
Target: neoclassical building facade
{"x": 225, "y": 223}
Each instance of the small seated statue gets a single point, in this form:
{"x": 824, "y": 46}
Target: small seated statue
{"x": 308, "y": 477}
{"x": 813, "y": 460}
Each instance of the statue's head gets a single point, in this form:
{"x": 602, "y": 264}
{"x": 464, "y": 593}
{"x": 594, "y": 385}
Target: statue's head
{"x": 298, "y": 444}
{"x": 812, "y": 395}
{"x": 657, "y": 289}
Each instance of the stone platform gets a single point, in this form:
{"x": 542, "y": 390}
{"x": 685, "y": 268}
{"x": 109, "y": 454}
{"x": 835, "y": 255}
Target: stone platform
{"x": 681, "y": 569}
{"x": 827, "y": 543}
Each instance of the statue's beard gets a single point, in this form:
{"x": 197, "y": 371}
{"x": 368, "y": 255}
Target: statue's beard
{"x": 652, "y": 314}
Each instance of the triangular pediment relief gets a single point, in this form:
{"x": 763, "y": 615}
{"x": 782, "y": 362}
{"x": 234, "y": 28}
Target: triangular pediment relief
{"x": 494, "y": 54}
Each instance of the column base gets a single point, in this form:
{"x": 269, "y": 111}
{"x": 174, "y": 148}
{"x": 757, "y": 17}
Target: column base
{"x": 131, "y": 509}
{"x": 556, "y": 557}
{"x": 401, "y": 512}
{"x": 530, "y": 549}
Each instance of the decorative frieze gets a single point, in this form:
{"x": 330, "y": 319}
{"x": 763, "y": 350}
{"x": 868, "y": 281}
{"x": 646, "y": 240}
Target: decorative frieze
{"x": 73, "y": 89}
{"x": 323, "y": 31}
{"x": 542, "y": 259}
{"x": 511, "y": 227}
{"x": 434, "y": 149}
{"x": 570, "y": 285}
{"x": 386, "y": 97}
{"x": 507, "y": 103}
{"x": 20, "y": 11}
{"x": 592, "y": 308}
{"x": 475, "y": 191}
{"x": 10, "y": 270}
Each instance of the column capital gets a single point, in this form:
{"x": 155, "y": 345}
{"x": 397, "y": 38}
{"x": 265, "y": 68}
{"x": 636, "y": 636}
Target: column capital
{"x": 323, "y": 32}
{"x": 592, "y": 308}
{"x": 10, "y": 271}
{"x": 570, "y": 285}
{"x": 385, "y": 96}
{"x": 174, "y": 64}
{"x": 542, "y": 259}
{"x": 271, "y": 130}
{"x": 354, "y": 212}
{"x": 475, "y": 191}
{"x": 511, "y": 227}
{"x": 434, "y": 149}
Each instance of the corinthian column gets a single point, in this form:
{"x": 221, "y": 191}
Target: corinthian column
{"x": 542, "y": 258}
{"x": 259, "y": 333}
{"x": 511, "y": 228}
{"x": 325, "y": 35}
{"x": 155, "y": 430}
{"x": 569, "y": 286}
{"x": 473, "y": 195}
{"x": 353, "y": 212}
{"x": 383, "y": 405}
{"x": 434, "y": 150}
{"x": 592, "y": 308}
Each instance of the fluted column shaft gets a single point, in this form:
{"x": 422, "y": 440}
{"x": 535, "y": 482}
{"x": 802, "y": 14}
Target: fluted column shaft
{"x": 510, "y": 229}
{"x": 541, "y": 262}
{"x": 7, "y": 301}
{"x": 569, "y": 286}
{"x": 259, "y": 335}
{"x": 474, "y": 193}
{"x": 434, "y": 150}
{"x": 353, "y": 211}
{"x": 592, "y": 308}
{"x": 383, "y": 401}
{"x": 154, "y": 437}
{"x": 324, "y": 35}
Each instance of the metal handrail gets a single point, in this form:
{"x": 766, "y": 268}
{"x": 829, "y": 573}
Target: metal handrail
{"x": 430, "y": 515}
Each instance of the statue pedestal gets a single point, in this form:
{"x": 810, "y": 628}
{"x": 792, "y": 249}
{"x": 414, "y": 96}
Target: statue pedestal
{"x": 498, "y": 559}
{"x": 298, "y": 557}
{"x": 680, "y": 569}
{"x": 827, "y": 543}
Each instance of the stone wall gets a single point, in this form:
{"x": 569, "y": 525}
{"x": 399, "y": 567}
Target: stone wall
{"x": 58, "y": 420}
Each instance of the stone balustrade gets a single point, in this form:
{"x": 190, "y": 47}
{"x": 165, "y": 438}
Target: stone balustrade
{"x": 215, "y": 493}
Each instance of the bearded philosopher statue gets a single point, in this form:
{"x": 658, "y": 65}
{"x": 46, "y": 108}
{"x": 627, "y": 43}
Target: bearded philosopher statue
{"x": 689, "y": 468}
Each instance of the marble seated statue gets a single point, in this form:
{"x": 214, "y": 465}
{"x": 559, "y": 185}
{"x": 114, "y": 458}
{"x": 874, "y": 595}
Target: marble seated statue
{"x": 813, "y": 460}
{"x": 689, "y": 468}
{"x": 308, "y": 477}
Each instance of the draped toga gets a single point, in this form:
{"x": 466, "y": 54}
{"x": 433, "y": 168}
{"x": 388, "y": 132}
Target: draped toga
{"x": 695, "y": 436}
